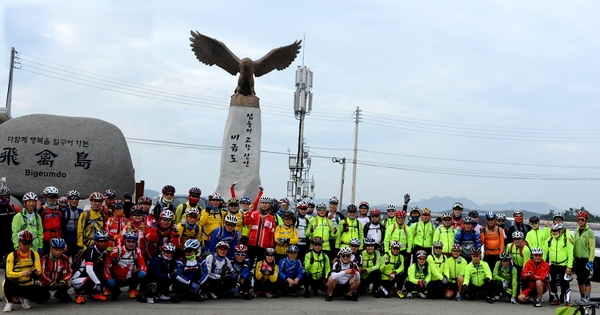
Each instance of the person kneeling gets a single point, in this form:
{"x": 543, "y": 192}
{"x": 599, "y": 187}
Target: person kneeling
{"x": 535, "y": 277}
{"x": 56, "y": 273}
{"x": 125, "y": 266}
{"x": 478, "y": 276}
{"x": 217, "y": 277}
{"x": 266, "y": 274}
{"x": 344, "y": 275}
{"x": 290, "y": 272}
{"x": 317, "y": 267}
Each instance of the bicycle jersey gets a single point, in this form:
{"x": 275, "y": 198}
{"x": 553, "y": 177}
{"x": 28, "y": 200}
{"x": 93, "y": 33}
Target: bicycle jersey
{"x": 476, "y": 274}
{"x": 121, "y": 263}
{"x": 422, "y": 234}
{"x": 560, "y": 251}
{"x": 31, "y": 222}
{"x": 322, "y": 227}
{"x": 370, "y": 263}
{"x": 445, "y": 235}
{"x": 391, "y": 264}
{"x": 317, "y": 264}
{"x": 55, "y": 269}
{"x": 290, "y": 269}
{"x": 287, "y": 234}
{"x": 520, "y": 255}
{"x": 437, "y": 265}
{"x": 492, "y": 240}
{"x": 454, "y": 267}
{"x": 375, "y": 231}
{"x": 508, "y": 275}
{"x": 210, "y": 219}
{"x": 347, "y": 230}
{"x": 417, "y": 272}
{"x": 584, "y": 244}
{"x": 90, "y": 222}
{"x": 398, "y": 233}
{"x": 51, "y": 222}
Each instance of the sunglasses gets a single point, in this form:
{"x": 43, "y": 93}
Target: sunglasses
{"x": 345, "y": 256}
{"x": 245, "y": 203}
{"x": 396, "y": 248}
{"x": 321, "y": 209}
{"x": 501, "y": 220}
{"x": 317, "y": 244}
{"x": 475, "y": 256}
{"x": 354, "y": 246}
{"x": 333, "y": 203}
{"x": 73, "y": 198}
{"x": 195, "y": 196}
{"x": 131, "y": 241}
{"x": 375, "y": 216}
{"x": 447, "y": 220}
{"x": 421, "y": 258}
{"x": 457, "y": 251}
{"x": 169, "y": 252}
{"x": 352, "y": 212}
{"x": 222, "y": 248}
{"x": 166, "y": 219}
{"x": 189, "y": 250}
{"x": 240, "y": 254}
{"x": 230, "y": 224}
{"x": 168, "y": 194}
{"x": 581, "y": 220}
{"x": 437, "y": 248}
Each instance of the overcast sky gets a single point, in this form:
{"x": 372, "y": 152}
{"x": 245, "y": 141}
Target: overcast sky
{"x": 494, "y": 101}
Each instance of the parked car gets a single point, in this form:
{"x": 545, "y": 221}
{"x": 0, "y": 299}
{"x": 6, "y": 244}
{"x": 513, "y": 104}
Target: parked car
{"x": 596, "y": 276}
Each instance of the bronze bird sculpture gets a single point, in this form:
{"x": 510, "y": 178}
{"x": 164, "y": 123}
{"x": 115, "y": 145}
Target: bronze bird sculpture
{"x": 213, "y": 52}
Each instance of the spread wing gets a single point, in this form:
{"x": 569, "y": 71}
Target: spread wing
{"x": 210, "y": 51}
{"x": 278, "y": 58}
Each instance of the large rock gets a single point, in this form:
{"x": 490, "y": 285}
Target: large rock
{"x": 85, "y": 154}
{"x": 240, "y": 152}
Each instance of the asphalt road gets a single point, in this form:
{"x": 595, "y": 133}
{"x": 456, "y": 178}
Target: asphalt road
{"x": 292, "y": 306}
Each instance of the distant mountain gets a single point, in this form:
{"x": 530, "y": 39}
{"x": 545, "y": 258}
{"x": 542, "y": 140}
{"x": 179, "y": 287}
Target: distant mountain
{"x": 444, "y": 204}
{"x": 151, "y": 193}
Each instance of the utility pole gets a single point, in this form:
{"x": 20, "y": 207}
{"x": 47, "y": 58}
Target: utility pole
{"x": 5, "y": 113}
{"x": 357, "y": 120}
{"x": 343, "y": 162}
{"x": 299, "y": 187}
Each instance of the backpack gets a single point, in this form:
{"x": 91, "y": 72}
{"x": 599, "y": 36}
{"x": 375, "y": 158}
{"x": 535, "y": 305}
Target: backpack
{"x": 512, "y": 245}
{"x": 15, "y": 258}
{"x": 76, "y": 264}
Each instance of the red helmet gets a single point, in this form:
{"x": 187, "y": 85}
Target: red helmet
{"x": 400, "y": 213}
{"x": 25, "y": 236}
{"x": 583, "y": 214}
{"x": 375, "y": 212}
{"x": 144, "y": 199}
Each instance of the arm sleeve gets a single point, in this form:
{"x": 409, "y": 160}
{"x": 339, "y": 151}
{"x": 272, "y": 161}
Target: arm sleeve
{"x": 17, "y": 223}
{"x": 515, "y": 282}
{"x": 411, "y": 274}
{"x": 273, "y": 277}
{"x": 294, "y": 238}
{"x": 257, "y": 271}
{"x": 281, "y": 275}
{"x": 180, "y": 277}
{"x": 592, "y": 244}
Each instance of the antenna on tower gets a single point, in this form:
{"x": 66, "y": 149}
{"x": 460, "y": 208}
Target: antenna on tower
{"x": 303, "y": 48}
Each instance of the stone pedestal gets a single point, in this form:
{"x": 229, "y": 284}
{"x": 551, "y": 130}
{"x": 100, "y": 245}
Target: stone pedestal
{"x": 240, "y": 154}
{"x": 84, "y": 154}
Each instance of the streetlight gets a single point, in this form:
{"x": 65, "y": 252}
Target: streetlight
{"x": 343, "y": 162}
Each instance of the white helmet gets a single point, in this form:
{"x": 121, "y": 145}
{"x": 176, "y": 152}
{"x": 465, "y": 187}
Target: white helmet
{"x": 230, "y": 218}
{"x": 345, "y": 250}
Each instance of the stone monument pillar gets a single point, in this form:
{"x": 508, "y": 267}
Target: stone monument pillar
{"x": 240, "y": 153}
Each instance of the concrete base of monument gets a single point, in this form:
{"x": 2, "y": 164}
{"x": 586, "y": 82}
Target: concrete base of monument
{"x": 240, "y": 152}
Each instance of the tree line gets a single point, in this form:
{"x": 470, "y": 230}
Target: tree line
{"x": 570, "y": 215}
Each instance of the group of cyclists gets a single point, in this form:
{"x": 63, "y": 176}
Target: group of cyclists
{"x": 264, "y": 247}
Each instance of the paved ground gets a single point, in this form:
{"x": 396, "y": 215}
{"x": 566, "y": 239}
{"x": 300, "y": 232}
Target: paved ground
{"x": 292, "y": 306}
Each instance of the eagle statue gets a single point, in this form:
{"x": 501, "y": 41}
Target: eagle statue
{"x": 213, "y": 52}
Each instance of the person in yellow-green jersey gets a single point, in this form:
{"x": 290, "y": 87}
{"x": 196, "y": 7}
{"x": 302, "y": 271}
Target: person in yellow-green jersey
{"x": 584, "y": 245}
{"x": 478, "y": 277}
{"x": 454, "y": 271}
{"x": 560, "y": 257}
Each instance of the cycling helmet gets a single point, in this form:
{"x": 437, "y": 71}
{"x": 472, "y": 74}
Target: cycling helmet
{"x": 239, "y": 248}
{"x": 421, "y": 253}
{"x": 351, "y": 208}
{"x": 557, "y": 226}
{"x": 302, "y": 205}
{"x": 369, "y": 241}
{"x": 375, "y": 212}
{"x": 456, "y": 248}
{"x": 354, "y": 242}
{"x": 292, "y": 249}
{"x": 438, "y": 244}
{"x": 310, "y": 204}
{"x": 233, "y": 202}
{"x": 25, "y": 237}
{"x": 222, "y": 244}
{"x": 426, "y": 211}
{"x": 195, "y": 191}
{"x": 130, "y": 235}
{"x": 167, "y": 214}
{"x": 400, "y": 214}
{"x": 73, "y": 193}
{"x": 96, "y": 196}
{"x": 263, "y": 199}
{"x": 317, "y": 240}
{"x": 109, "y": 193}
{"x": 214, "y": 196}
{"x": 144, "y": 199}
{"x": 333, "y": 199}
{"x": 500, "y": 216}
{"x": 395, "y": 244}
{"x": 475, "y": 251}
{"x": 245, "y": 200}
{"x": 168, "y": 189}
{"x": 583, "y": 214}
{"x": 57, "y": 243}
{"x": 284, "y": 200}
{"x": 168, "y": 247}
{"x": 446, "y": 215}
{"x": 4, "y": 191}
{"x": 518, "y": 235}
{"x": 137, "y": 210}
{"x": 505, "y": 256}
{"x": 29, "y": 196}
{"x": 321, "y": 206}
{"x": 194, "y": 212}
{"x": 517, "y": 211}
{"x": 390, "y": 207}
{"x": 468, "y": 220}
{"x": 473, "y": 214}
{"x": 101, "y": 236}
{"x": 490, "y": 215}
{"x": 559, "y": 215}
{"x": 363, "y": 204}
{"x": 537, "y": 251}
{"x": 270, "y": 251}
{"x": 230, "y": 218}
{"x": 118, "y": 204}
{"x": 458, "y": 205}
{"x": 345, "y": 250}
{"x": 192, "y": 243}
{"x": 534, "y": 219}
{"x": 288, "y": 214}
{"x": 63, "y": 202}
{"x": 51, "y": 190}
{"x": 415, "y": 208}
